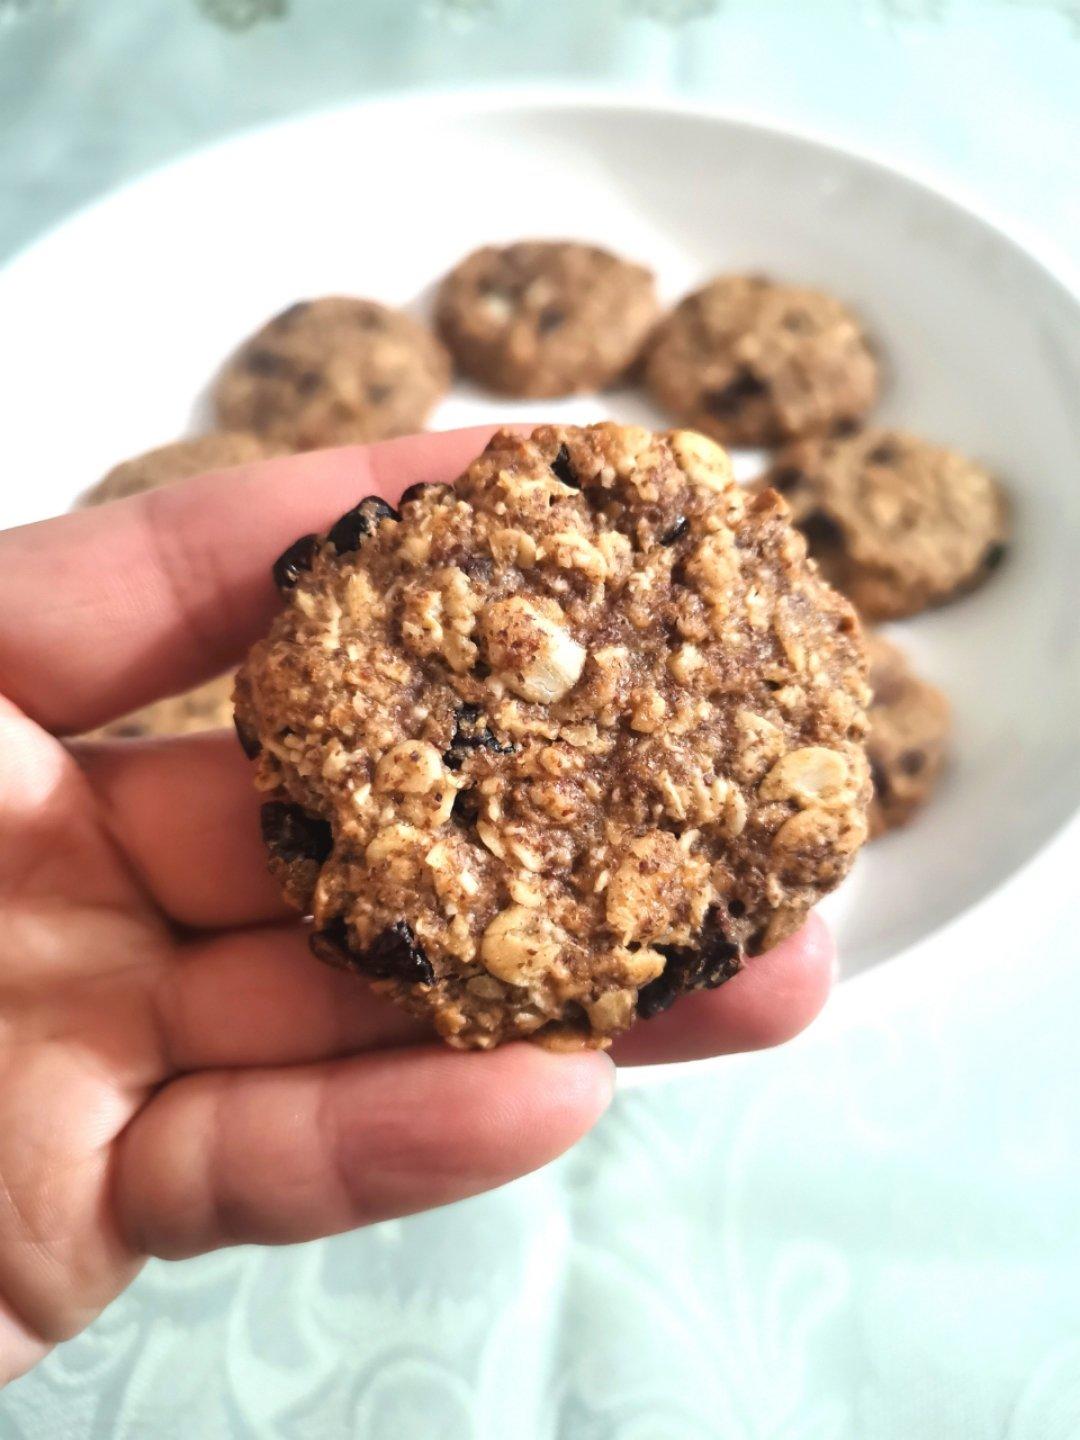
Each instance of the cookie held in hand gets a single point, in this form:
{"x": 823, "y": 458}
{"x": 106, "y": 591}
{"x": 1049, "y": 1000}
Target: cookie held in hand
{"x": 545, "y": 750}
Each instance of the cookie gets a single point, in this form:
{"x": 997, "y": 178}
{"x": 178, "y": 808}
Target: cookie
{"x": 894, "y": 522}
{"x": 544, "y": 318}
{"x": 552, "y": 747}
{"x": 909, "y": 732}
{"x": 752, "y": 362}
{"x": 178, "y": 461}
{"x": 335, "y": 371}
{"x": 209, "y": 707}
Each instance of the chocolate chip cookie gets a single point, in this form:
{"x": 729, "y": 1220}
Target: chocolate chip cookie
{"x": 909, "y": 732}
{"x": 547, "y": 749}
{"x": 178, "y": 461}
{"x": 894, "y": 522}
{"x": 334, "y": 371}
{"x": 753, "y": 362}
{"x": 209, "y": 707}
{"x": 545, "y": 317}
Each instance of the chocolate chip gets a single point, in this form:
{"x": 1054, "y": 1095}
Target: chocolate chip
{"x": 249, "y": 742}
{"x": 477, "y": 567}
{"x": 728, "y": 400}
{"x": 994, "y": 555}
{"x": 705, "y": 965}
{"x": 294, "y": 562}
{"x": 466, "y": 807}
{"x": 786, "y": 478}
{"x": 471, "y": 733}
{"x": 884, "y": 454}
{"x": 397, "y": 955}
{"x": 550, "y": 318}
{"x": 675, "y": 531}
{"x": 426, "y": 487}
{"x": 359, "y": 522}
{"x": 912, "y": 761}
{"x": 289, "y": 832}
{"x": 267, "y": 364}
{"x": 377, "y": 394}
{"x": 821, "y": 531}
{"x": 563, "y": 470}
{"x": 879, "y": 780}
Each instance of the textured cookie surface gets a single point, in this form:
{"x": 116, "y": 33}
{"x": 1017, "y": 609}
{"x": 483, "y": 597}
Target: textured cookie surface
{"x": 558, "y": 744}
{"x": 546, "y": 317}
{"x": 894, "y": 522}
{"x": 178, "y": 461}
{"x": 209, "y": 707}
{"x": 751, "y": 362}
{"x": 333, "y": 372}
{"x": 909, "y": 733}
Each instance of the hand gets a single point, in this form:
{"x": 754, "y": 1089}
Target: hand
{"x": 176, "y": 1072}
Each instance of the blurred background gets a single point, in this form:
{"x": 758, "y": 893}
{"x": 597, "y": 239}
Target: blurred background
{"x": 869, "y": 1235}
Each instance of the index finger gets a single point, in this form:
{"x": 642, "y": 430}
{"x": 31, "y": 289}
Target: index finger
{"x": 104, "y": 610}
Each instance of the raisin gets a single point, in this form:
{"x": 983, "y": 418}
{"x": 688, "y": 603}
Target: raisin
{"x": 396, "y": 954}
{"x": 267, "y": 364}
{"x": 844, "y": 425}
{"x": 379, "y": 394}
{"x": 249, "y": 742}
{"x": 563, "y": 470}
{"x": 331, "y": 944}
{"x": 426, "y": 487}
{"x": 290, "y": 833}
{"x": 786, "y": 478}
{"x": 550, "y": 318}
{"x": 471, "y": 733}
{"x": 308, "y": 381}
{"x": 477, "y": 567}
{"x": 294, "y": 562}
{"x": 884, "y": 454}
{"x": 705, "y": 965}
{"x": 675, "y": 531}
{"x": 727, "y": 401}
{"x": 821, "y": 531}
{"x": 736, "y": 909}
{"x": 359, "y": 522}
{"x": 912, "y": 761}
{"x": 994, "y": 555}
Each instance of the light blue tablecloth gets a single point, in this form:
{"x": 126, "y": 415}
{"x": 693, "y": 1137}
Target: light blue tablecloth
{"x": 872, "y": 1235}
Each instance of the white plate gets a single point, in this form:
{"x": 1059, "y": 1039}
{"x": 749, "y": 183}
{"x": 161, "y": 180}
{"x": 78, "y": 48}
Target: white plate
{"x": 111, "y": 326}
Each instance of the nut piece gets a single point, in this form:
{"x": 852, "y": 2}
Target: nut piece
{"x": 645, "y": 890}
{"x": 413, "y": 767}
{"x": 813, "y": 775}
{"x": 520, "y": 946}
{"x": 532, "y": 649}
{"x": 702, "y": 460}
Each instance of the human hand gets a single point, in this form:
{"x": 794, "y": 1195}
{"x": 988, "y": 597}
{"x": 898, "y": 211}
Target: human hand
{"x": 176, "y": 1072}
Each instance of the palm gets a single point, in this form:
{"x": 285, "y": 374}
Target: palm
{"x": 176, "y": 1072}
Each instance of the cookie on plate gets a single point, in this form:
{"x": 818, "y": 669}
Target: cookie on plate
{"x": 909, "y": 733}
{"x": 334, "y": 371}
{"x": 179, "y": 461}
{"x": 552, "y": 747}
{"x": 545, "y": 317}
{"x": 894, "y": 522}
{"x": 753, "y": 362}
{"x": 208, "y": 707}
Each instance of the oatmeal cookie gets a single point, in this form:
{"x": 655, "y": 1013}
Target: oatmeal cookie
{"x": 334, "y": 371}
{"x": 752, "y": 362}
{"x": 208, "y": 707}
{"x": 178, "y": 461}
{"x": 545, "y": 317}
{"x": 909, "y": 732}
{"x": 549, "y": 748}
{"x": 894, "y": 522}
